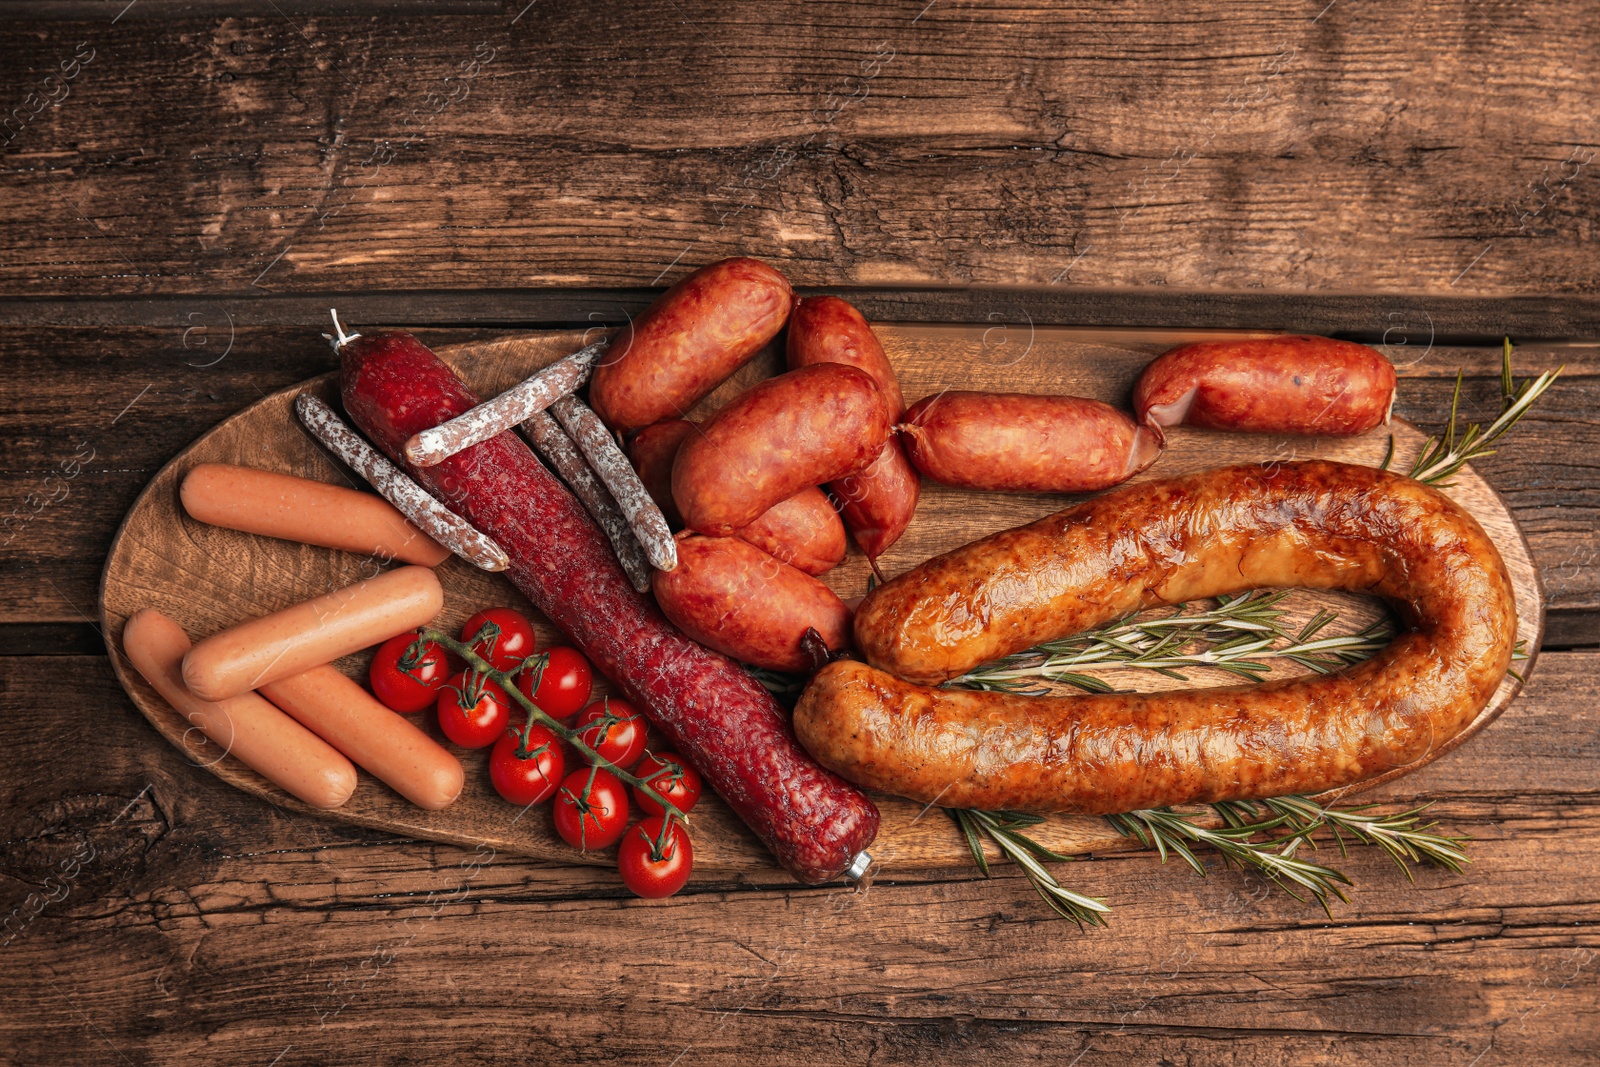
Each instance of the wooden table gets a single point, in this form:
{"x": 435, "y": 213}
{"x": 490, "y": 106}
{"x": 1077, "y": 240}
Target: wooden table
{"x": 184, "y": 192}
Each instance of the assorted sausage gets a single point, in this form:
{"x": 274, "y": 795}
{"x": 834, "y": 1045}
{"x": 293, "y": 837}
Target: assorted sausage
{"x": 709, "y": 708}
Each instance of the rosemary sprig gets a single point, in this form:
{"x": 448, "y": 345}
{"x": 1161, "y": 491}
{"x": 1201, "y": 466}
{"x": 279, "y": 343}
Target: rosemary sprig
{"x": 1445, "y": 454}
{"x": 1399, "y": 835}
{"x": 1005, "y": 828}
{"x": 1236, "y": 636}
{"x": 1169, "y": 832}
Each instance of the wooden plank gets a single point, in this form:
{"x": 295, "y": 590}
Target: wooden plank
{"x": 1101, "y": 145}
{"x": 208, "y": 924}
{"x": 154, "y": 393}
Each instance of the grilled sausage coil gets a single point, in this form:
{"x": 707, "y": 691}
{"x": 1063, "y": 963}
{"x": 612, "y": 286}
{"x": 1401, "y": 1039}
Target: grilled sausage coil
{"x": 1314, "y": 524}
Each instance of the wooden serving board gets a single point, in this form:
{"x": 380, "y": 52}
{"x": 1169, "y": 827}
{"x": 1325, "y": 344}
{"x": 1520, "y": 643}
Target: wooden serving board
{"x": 209, "y": 578}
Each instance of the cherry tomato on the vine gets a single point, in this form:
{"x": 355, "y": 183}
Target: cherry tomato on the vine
{"x": 615, "y": 729}
{"x": 472, "y": 710}
{"x": 591, "y": 808}
{"x": 503, "y": 636}
{"x": 407, "y": 673}
{"x": 671, "y": 776}
{"x": 655, "y": 859}
{"x": 526, "y": 770}
{"x": 563, "y": 681}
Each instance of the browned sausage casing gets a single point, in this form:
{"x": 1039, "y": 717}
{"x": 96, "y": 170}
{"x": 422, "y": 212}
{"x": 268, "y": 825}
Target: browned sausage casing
{"x": 802, "y": 428}
{"x": 1016, "y": 442}
{"x": 802, "y": 530}
{"x": 734, "y": 598}
{"x": 878, "y": 501}
{"x": 689, "y": 341}
{"x": 1299, "y": 385}
{"x": 1316, "y": 524}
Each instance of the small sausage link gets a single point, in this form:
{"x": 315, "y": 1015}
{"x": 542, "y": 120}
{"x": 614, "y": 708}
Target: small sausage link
{"x": 1017, "y": 442}
{"x": 1298, "y": 385}
{"x": 808, "y": 426}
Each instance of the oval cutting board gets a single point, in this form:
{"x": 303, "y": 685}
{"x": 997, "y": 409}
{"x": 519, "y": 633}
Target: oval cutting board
{"x": 209, "y": 578}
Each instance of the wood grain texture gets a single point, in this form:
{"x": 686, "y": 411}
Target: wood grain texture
{"x": 208, "y": 578}
{"x": 1297, "y": 145}
{"x": 206, "y": 924}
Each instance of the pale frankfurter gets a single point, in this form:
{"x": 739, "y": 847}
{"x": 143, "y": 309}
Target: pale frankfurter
{"x": 878, "y": 501}
{"x": 1017, "y": 442}
{"x": 310, "y": 512}
{"x": 1314, "y": 524}
{"x": 311, "y": 633}
{"x": 802, "y": 428}
{"x": 386, "y": 744}
{"x": 1298, "y": 385}
{"x": 688, "y": 342}
{"x": 245, "y": 727}
{"x": 734, "y": 598}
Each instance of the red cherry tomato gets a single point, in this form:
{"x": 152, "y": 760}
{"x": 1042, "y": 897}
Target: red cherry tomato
{"x": 503, "y": 636}
{"x": 407, "y": 674}
{"x": 472, "y": 710}
{"x": 526, "y": 770}
{"x": 591, "y": 808}
{"x": 564, "y": 680}
{"x": 615, "y": 729}
{"x": 671, "y": 776}
{"x": 655, "y": 861}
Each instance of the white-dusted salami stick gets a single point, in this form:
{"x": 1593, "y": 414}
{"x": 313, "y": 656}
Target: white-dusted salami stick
{"x": 512, "y": 407}
{"x": 618, "y": 475}
{"x": 552, "y": 442}
{"x": 414, "y": 502}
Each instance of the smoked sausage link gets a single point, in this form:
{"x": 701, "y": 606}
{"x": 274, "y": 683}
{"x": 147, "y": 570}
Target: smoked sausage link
{"x": 1315, "y": 524}
{"x": 708, "y": 707}
{"x": 688, "y": 342}
{"x": 878, "y": 501}
{"x": 802, "y": 428}
{"x": 1021, "y": 443}
{"x": 1298, "y": 385}
{"x": 737, "y": 599}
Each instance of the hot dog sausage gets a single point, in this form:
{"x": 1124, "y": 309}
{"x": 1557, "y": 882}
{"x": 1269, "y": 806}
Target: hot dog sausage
{"x": 708, "y": 707}
{"x": 802, "y": 530}
{"x": 802, "y": 428}
{"x": 878, "y": 501}
{"x": 311, "y": 633}
{"x": 1314, "y": 524}
{"x": 245, "y": 726}
{"x": 1020, "y": 443}
{"x": 733, "y": 597}
{"x": 1299, "y": 385}
{"x": 688, "y": 342}
{"x": 383, "y": 742}
{"x": 310, "y": 512}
